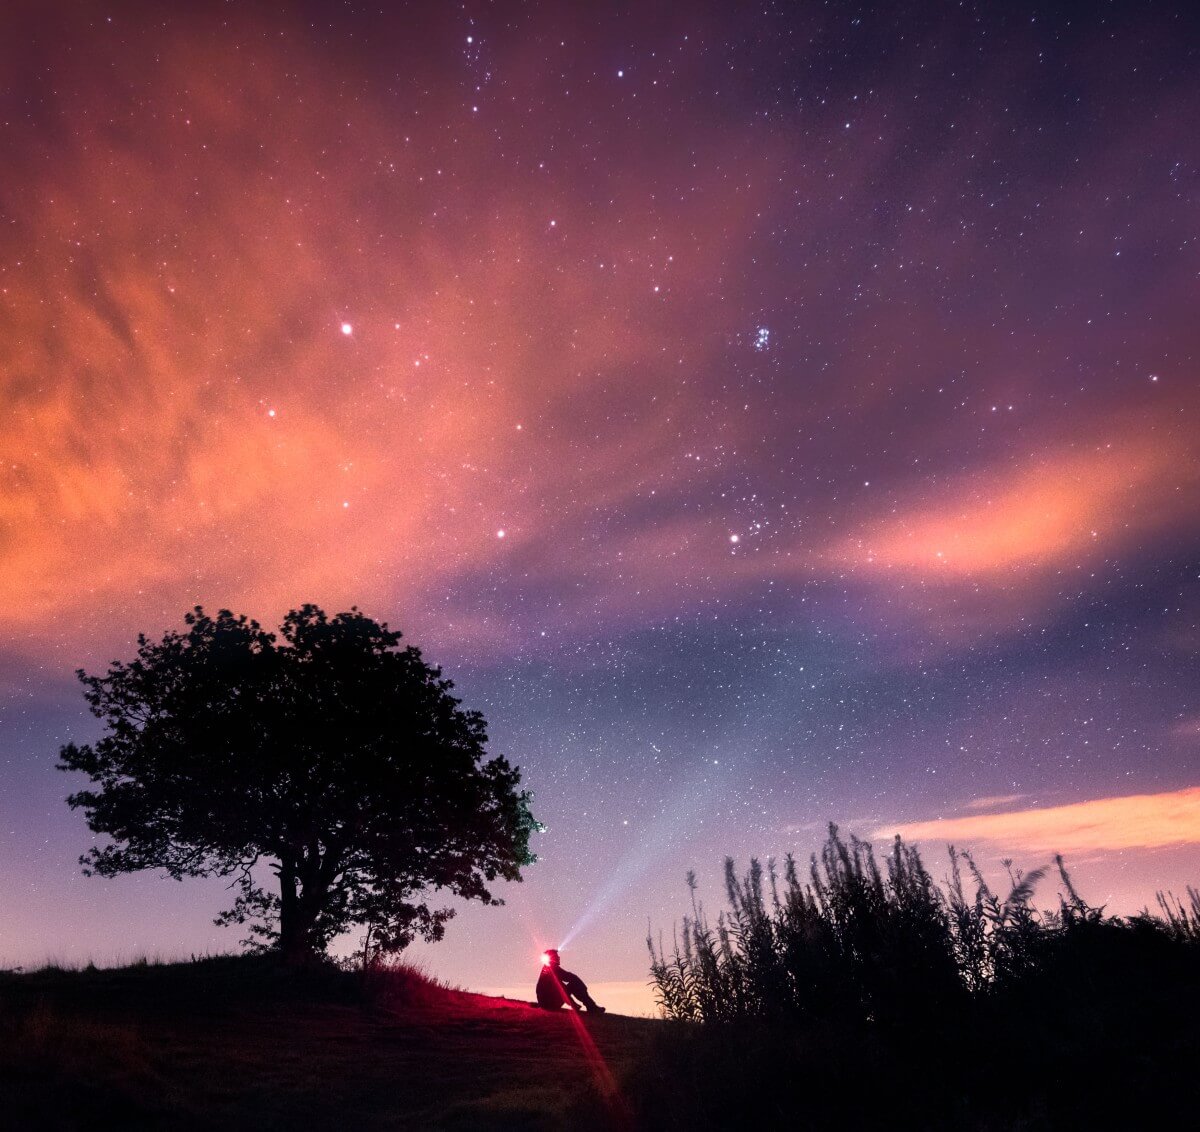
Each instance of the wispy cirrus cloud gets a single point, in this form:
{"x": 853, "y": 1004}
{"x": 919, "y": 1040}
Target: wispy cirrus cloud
{"x": 994, "y": 801}
{"x": 984, "y": 551}
{"x": 187, "y": 419}
{"x": 1032, "y": 517}
{"x": 1135, "y": 821}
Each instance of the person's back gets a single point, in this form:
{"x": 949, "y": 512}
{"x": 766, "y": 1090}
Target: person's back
{"x": 551, "y": 994}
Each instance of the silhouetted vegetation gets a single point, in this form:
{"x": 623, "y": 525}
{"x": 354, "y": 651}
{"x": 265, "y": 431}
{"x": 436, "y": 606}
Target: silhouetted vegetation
{"x": 336, "y": 759}
{"x": 875, "y": 997}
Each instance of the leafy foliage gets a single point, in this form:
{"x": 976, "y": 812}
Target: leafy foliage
{"x": 334, "y": 757}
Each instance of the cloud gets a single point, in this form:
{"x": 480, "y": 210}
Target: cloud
{"x": 983, "y": 551}
{"x": 1136, "y": 821}
{"x": 995, "y": 800}
{"x": 1055, "y": 509}
{"x": 186, "y": 420}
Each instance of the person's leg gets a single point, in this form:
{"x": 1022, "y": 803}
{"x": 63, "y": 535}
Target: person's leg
{"x": 578, "y": 989}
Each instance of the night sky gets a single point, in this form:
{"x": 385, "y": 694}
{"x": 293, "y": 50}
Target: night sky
{"x": 767, "y": 413}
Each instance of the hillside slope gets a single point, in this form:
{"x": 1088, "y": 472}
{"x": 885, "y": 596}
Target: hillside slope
{"x": 237, "y": 1043}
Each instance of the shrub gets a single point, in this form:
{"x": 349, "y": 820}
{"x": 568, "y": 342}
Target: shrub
{"x": 869, "y": 997}
{"x": 859, "y": 943}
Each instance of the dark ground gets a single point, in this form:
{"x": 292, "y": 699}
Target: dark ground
{"x": 239, "y": 1043}
{"x": 235, "y": 1043}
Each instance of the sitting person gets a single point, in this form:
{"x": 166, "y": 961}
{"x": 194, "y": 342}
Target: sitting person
{"x": 557, "y": 987}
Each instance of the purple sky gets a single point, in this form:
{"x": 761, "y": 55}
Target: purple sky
{"x": 766, "y": 417}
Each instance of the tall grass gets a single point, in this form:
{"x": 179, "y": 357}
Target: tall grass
{"x": 396, "y": 983}
{"x": 1180, "y": 921}
{"x": 861, "y": 994}
{"x": 861, "y": 943}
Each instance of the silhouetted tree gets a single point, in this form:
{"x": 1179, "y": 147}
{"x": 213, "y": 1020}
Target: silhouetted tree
{"x": 336, "y": 758}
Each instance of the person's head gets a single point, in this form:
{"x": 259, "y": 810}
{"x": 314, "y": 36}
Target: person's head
{"x": 550, "y": 958}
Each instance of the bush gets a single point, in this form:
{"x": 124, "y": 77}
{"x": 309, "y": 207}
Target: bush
{"x": 867, "y": 997}
{"x": 855, "y": 942}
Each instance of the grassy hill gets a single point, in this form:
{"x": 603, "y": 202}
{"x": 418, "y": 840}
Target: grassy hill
{"x": 240, "y": 1043}
{"x": 236, "y": 1042}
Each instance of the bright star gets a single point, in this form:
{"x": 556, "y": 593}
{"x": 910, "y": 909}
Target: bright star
{"x": 347, "y": 329}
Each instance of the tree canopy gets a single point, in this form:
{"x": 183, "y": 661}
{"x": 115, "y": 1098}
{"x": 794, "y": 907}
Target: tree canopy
{"x": 333, "y": 756}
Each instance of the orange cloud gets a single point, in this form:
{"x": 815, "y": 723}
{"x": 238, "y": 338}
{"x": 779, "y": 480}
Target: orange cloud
{"x": 186, "y": 420}
{"x": 1055, "y": 509}
{"x": 1136, "y": 821}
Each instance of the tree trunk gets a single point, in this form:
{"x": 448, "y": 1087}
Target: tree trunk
{"x": 298, "y": 910}
{"x": 294, "y": 943}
